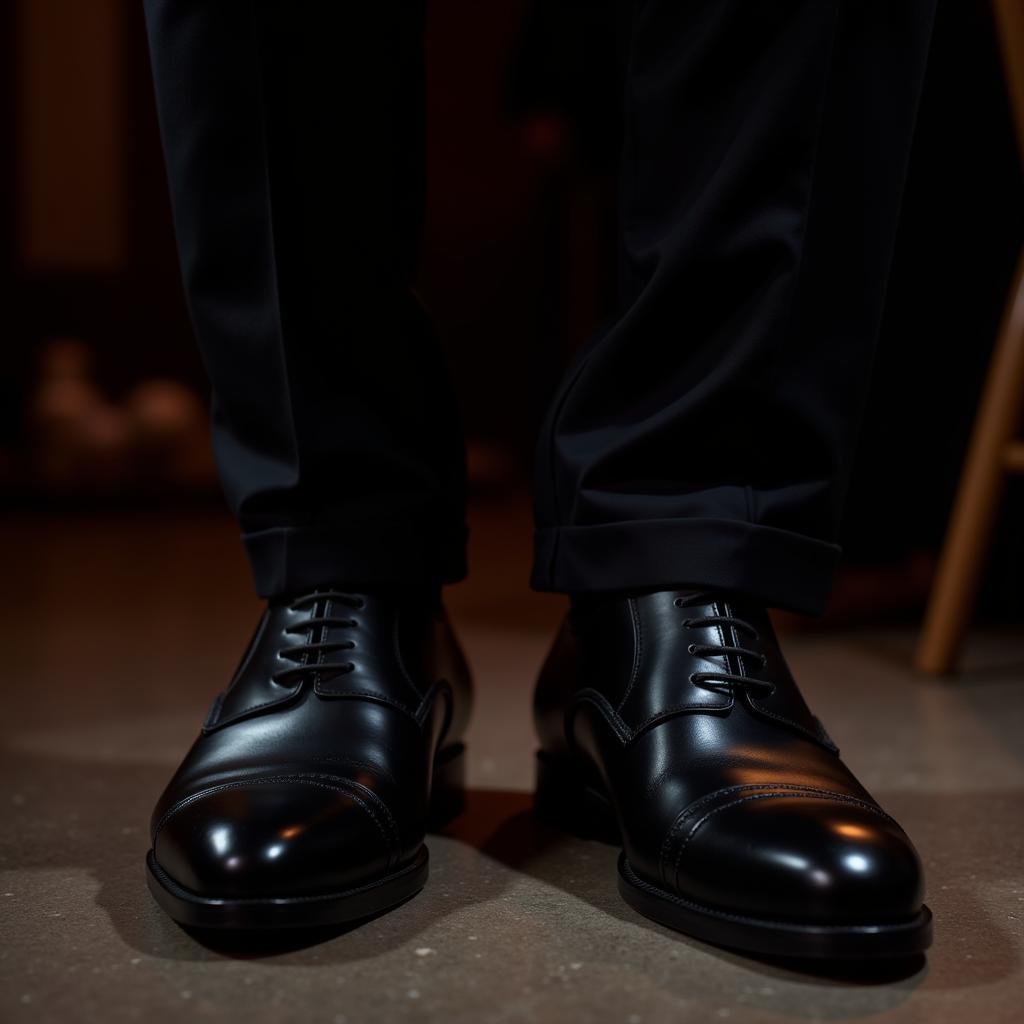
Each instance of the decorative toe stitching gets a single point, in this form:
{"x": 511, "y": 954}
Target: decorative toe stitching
{"x": 766, "y": 789}
{"x": 359, "y": 793}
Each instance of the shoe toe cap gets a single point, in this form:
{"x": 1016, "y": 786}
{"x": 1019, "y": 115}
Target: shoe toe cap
{"x": 799, "y": 857}
{"x": 276, "y": 838}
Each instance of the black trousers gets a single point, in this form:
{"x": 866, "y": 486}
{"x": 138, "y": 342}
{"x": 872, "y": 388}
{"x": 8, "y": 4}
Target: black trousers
{"x": 705, "y": 437}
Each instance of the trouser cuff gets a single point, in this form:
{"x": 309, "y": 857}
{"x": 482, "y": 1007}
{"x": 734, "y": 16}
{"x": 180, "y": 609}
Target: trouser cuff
{"x": 780, "y": 568}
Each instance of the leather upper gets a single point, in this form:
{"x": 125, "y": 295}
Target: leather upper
{"x": 728, "y": 792}
{"x": 313, "y": 769}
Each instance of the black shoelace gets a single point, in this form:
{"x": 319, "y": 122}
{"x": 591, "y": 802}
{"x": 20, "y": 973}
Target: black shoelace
{"x": 309, "y": 655}
{"x": 727, "y": 681}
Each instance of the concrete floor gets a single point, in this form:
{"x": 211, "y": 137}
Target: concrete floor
{"x": 116, "y": 634}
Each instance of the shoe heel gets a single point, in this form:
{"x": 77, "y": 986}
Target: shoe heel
{"x": 448, "y": 792}
{"x": 565, "y": 798}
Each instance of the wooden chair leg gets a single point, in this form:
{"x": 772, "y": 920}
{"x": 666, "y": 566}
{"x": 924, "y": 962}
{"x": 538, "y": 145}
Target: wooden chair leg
{"x": 990, "y": 456}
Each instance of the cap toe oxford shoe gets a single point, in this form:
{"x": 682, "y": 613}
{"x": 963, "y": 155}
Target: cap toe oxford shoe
{"x": 671, "y": 721}
{"x": 306, "y": 797}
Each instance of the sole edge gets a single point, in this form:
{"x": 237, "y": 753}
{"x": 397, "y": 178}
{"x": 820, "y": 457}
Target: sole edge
{"x": 775, "y": 938}
{"x": 356, "y": 904}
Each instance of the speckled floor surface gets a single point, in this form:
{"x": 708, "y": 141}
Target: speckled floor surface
{"x": 116, "y": 634}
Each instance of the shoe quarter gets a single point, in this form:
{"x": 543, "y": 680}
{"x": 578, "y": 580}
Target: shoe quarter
{"x": 252, "y": 687}
{"x": 661, "y": 685}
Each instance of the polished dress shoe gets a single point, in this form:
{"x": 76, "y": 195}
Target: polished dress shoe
{"x": 671, "y": 721}
{"x": 306, "y": 797}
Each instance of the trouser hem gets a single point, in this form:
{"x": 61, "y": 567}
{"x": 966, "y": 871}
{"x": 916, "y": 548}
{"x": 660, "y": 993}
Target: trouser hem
{"x": 780, "y": 568}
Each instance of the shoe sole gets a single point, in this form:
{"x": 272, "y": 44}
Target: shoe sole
{"x": 359, "y": 903}
{"x": 565, "y": 799}
{"x": 188, "y": 908}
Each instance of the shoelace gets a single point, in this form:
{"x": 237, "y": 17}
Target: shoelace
{"x": 309, "y": 653}
{"x": 750, "y": 684}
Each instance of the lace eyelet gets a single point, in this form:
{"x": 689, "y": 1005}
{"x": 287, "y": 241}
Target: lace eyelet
{"x": 691, "y": 649}
{"x": 678, "y": 602}
{"x": 687, "y": 623}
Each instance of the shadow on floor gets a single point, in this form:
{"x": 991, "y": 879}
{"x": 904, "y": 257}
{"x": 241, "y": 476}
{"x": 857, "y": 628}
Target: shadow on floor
{"x": 82, "y": 815}
{"x": 586, "y": 869}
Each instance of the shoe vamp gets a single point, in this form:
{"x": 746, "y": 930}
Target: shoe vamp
{"x": 666, "y": 771}
{"x": 373, "y": 744}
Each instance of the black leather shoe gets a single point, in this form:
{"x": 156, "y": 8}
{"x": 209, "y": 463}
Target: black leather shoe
{"x": 306, "y": 797}
{"x": 672, "y": 718}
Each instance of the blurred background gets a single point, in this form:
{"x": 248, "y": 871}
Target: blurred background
{"x": 102, "y": 395}
{"x": 126, "y": 600}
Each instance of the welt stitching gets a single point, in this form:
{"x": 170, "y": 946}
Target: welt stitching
{"x": 251, "y": 900}
{"x": 647, "y": 887}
